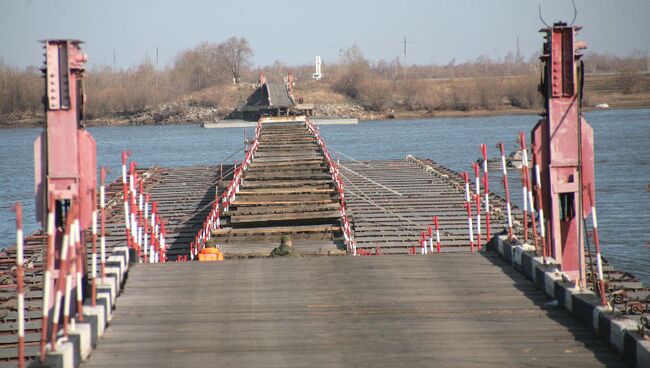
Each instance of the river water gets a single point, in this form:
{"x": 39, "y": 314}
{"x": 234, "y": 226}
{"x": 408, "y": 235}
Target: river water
{"x": 622, "y": 162}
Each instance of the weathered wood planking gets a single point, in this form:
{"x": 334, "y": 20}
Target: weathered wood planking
{"x": 451, "y": 310}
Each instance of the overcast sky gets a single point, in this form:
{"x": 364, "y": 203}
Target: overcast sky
{"x": 296, "y": 31}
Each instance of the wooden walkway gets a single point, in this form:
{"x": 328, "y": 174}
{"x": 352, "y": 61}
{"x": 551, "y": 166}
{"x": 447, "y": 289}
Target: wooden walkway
{"x": 184, "y": 196}
{"x": 460, "y": 310}
{"x": 287, "y": 190}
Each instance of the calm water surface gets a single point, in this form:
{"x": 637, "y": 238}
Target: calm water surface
{"x": 622, "y": 162}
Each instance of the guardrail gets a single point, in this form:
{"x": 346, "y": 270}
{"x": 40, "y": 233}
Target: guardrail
{"x": 221, "y": 204}
{"x": 145, "y": 228}
{"x": 338, "y": 182}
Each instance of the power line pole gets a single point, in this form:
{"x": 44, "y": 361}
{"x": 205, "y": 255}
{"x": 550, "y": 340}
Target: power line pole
{"x": 404, "y": 50}
{"x": 113, "y": 59}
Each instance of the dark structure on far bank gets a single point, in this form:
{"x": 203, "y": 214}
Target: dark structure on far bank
{"x": 271, "y": 99}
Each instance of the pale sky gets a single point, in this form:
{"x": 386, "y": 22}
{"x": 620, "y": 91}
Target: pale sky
{"x": 296, "y": 31}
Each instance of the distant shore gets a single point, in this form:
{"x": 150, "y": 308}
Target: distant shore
{"x": 35, "y": 122}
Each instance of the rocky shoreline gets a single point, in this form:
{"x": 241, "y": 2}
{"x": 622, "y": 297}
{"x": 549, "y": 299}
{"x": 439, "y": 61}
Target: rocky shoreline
{"x": 180, "y": 113}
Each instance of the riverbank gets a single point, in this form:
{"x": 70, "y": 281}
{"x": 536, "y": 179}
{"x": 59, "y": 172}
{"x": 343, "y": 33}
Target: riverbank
{"x": 215, "y": 103}
{"x": 147, "y": 118}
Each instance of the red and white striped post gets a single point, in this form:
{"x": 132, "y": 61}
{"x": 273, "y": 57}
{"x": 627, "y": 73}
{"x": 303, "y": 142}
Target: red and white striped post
{"x": 524, "y": 184}
{"x": 141, "y": 226}
{"x": 79, "y": 261}
{"x": 435, "y": 223}
{"x": 599, "y": 259}
{"x": 529, "y": 189}
{"x": 477, "y": 199}
{"x": 163, "y": 247}
{"x": 504, "y": 169}
{"x": 93, "y": 261}
{"x": 468, "y": 206}
{"x": 133, "y": 209}
{"x": 430, "y": 233}
{"x": 62, "y": 282}
{"x": 21, "y": 285}
{"x": 47, "y": 276}
{"x": 102, "y": 226}
{"x": 540, "y": 211}
{"x": 486, "y": 188}
{"x": 148, "y": 241}
{"x": 423, "y": 242}
{"x": 127, "y": 199}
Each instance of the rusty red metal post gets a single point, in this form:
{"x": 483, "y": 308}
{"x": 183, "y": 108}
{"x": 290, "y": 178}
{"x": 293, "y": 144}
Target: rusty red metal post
{"x": 65, "y": 174}
{"x": 563, "y": 146}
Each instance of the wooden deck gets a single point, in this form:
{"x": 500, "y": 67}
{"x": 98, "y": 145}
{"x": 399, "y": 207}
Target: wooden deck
{"x": 392, "y": 201}
{"x": 460, "y": 310}
{"x": 286, "y": 190}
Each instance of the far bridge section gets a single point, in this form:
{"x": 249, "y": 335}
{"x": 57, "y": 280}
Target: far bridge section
{"x": 391, "y": 202}
{"x": 287, "y": 190}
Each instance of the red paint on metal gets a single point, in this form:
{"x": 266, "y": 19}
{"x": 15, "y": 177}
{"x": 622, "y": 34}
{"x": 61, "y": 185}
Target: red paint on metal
{"x": 563, "y": 148}
{"x": 65, "y": 174}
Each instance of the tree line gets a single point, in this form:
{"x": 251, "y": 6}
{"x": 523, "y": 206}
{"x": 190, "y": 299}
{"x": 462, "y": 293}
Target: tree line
{"x": 482, "y": 83}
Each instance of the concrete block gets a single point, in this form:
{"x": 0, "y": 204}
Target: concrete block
{"x": 119, "y": 258}
{"x": 538, "y": 273}
{"x": 83, "y": 333}
{"x": 63, "y": 357}
{"x": 583, "y": 303}
{"x": 499, "y": 243}
{"x": 99, "y": 313}
{"x": 550, "y": 279}
{"x": 517, "y": 251}
{"x": 122, "y": 251}
{"x": 114, "y": 273}
{"x": 618, "y": 328}
{"x": 563, "y": 292}
{"x": 116, "y": 262}
{"x": 643, "y": 353}
{"x": 110, "y": 284}
{"x": 595, "y": 319}
{"x": 104, "y": 298}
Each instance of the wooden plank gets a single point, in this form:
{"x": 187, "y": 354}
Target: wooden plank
{"x": 291, "y": 216}
{"x": 276, "y": 230}
{"x": 292, "y": 190}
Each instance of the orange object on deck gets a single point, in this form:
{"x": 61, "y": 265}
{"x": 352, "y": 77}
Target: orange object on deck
{"x": 210, "y": 254}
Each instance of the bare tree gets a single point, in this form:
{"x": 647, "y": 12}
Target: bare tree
{"x": 236, "y": 53}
